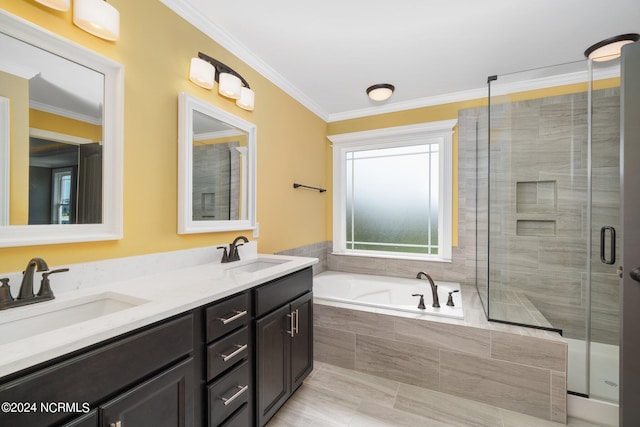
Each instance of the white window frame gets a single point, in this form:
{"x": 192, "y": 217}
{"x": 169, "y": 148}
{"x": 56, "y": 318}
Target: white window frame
{"x": 440, "y": 132}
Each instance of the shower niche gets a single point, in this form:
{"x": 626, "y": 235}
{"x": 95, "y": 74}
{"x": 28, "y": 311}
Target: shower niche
{"x": 547, "y": 164}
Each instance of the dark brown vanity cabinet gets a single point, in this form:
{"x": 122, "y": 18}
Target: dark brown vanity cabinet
{"x": 284, "y": 340}
{"x": 145, "y": 378}
{"x": 229, "y": 385}
{"x": 232, "y": 363}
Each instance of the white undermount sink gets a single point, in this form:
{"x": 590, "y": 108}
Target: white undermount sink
{"x": 257, "y": 264}
{"x": 47, "y": 316}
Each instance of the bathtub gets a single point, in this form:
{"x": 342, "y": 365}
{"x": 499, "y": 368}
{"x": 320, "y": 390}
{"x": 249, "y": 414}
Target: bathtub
{"x": 386, "y": 292}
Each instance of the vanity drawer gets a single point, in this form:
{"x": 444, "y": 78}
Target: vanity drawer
{"x": 242, "y": 418}
{"x": 226, "y": 352}
{"x": 274, "y": 294}
{"x": 228, "y": 394}
{"x": 228, "y": 315}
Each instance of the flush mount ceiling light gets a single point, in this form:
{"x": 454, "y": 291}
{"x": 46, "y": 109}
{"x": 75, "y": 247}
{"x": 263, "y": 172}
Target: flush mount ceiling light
{"x": 62, "y": 5}
{"x": 205, "y": 71}
{"x": 97, "y": 17}
{"x": 380, "y": 92}
{"x": 609, "y": 49}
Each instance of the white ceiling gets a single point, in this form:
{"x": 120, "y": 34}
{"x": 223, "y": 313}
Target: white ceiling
{"x": 325, "y": 54}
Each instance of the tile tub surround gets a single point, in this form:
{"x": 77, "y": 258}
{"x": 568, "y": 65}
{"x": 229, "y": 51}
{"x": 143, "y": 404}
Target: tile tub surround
{"x": 515, "y": 368}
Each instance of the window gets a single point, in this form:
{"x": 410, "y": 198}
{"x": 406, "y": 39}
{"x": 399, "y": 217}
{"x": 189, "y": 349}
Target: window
{"x": 392, "y": 192}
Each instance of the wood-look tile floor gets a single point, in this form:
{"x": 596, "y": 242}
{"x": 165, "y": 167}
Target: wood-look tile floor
{"x": 337, "y": 397}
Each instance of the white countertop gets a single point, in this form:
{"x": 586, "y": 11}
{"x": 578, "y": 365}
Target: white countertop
{"x": 168, "y": 293}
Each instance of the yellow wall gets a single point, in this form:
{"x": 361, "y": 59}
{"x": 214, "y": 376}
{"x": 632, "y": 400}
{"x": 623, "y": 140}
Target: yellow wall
{"x": 16, "y": 89}
{"x": 59, "y": 124}
{"x": 155, "y": 48}
{"x": 444, "y": 112}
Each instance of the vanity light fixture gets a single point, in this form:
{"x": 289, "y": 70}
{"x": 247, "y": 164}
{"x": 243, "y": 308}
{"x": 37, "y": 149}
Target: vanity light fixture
{"x": 97, "y": 17}
{"x": 611, "y": 48}
{"x": 204, "y": 71}
{"x": 380, "y": 92}
{"x": 62, "y": 5}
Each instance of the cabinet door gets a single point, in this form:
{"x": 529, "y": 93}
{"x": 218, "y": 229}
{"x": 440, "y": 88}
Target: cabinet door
{"x": 164, "y": 401}
{"x": 302, "y": 340}
{"x": 88, "y": 420}
{"x": 272, "y": 365}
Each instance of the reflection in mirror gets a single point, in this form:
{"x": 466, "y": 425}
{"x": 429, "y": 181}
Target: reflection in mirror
{"x": 62, "y": 155}
{"x": 216, "y": 176}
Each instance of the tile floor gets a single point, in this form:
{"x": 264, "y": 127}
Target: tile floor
{"x": 333, "y": 396}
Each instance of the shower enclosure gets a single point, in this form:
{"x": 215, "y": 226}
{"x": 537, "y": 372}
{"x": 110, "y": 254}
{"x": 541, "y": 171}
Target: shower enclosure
{"x": 548, "y": 211}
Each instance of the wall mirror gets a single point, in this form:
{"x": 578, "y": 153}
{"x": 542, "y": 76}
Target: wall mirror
{"x": 216, "y": 169}
{"x": 61, "y": 111}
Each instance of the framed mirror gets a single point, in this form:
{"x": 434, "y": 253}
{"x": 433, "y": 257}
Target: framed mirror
{"x": 61, "y": 111}
{"x": 216, "y": 169}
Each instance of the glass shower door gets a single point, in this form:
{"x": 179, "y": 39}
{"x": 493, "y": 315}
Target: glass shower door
{"x": 604, "y": 319}
{"x": 552, "y": 185}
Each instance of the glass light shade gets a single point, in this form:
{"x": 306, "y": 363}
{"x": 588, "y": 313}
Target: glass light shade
{"x": 229, "y": 85}
{"x": 202, "y": 73}
{"x": 608, "y": 52}
{"x": 62, "y": 5}
{"x": 97, "y": 17}
{"x": 247, "y": 98}
{"x": 380, "y": 92}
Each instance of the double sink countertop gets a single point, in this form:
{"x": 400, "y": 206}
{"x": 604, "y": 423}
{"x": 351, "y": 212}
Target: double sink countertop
{"x": 82, "y": 317}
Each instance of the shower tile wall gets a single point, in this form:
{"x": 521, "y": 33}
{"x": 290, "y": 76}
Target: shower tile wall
{"x": 538, "y": 209}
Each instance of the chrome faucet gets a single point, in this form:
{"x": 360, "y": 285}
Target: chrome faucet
{"x": 233, "y": 248}
{"x": 434, "y": 288}
{"x": 26, "y": 287}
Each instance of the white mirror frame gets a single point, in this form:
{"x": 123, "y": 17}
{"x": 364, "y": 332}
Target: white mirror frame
{"x": 187, "y": 104}
{"x": 113, "y": 119}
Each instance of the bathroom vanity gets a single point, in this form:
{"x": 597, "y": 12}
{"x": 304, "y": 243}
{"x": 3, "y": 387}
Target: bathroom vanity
{"x": 229, "y": 357}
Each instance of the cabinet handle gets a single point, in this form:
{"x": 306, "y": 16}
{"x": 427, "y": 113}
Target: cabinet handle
{"x": 297, "y": 315}
{"x": 238, "y": 350}
{"x": 235, "y": 396}
{"x": 291, "y": 330}
{"x": 116, "y": 424}
{"x": 238, "y": 315}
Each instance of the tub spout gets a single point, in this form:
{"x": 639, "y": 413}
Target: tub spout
{"x": 434, "y": 288}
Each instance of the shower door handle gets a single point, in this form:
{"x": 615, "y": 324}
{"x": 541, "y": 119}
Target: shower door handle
{"x": 612, "y": 242}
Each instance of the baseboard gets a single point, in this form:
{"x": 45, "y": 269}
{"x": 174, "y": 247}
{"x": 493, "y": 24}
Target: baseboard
{"x": 595, "y": 411}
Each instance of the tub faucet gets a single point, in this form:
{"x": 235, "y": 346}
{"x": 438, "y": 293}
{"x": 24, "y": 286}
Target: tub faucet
{"x": 434, "y": 288}
{"x": 26, "y": 287}
{"x": 233, "y": 248}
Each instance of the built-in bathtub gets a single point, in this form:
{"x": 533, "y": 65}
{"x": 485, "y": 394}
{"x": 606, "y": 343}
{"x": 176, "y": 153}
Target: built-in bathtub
{"x": 386, "y": 292}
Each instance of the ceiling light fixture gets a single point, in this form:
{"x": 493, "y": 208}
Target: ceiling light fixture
{"x": 611, "y": 48}
{"x": 62, "y": 5}
{"x": 205, "y": 70}
{"x": 97, "y": 17}
{"x": 380, "y": 92}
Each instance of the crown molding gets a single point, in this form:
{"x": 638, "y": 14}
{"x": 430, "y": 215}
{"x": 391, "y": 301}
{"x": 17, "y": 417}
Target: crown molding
{"x": 52, "y": 109}
{"x": 512, "y": 87}
{"x": 225, "y": 40}
{"x": 216, "y": 33}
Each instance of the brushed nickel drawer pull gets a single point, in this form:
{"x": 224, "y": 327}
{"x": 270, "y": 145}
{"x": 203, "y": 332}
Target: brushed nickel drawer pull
{"x": 235, "y": 396}
{"x": 239, "y": 349}
{"x": 291, "y": 325}
{"x": 297, "y": 317}
{"x": 238, "y": 315}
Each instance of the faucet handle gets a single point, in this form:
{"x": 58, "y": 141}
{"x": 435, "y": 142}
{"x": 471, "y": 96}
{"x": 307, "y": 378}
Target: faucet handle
{"x": 45, "y": 285}
{"x": 450, "y": 299}
{"x": 225, "y": 255}
{"x": 421, "y": 305}
{"x": 5, "y": 291}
